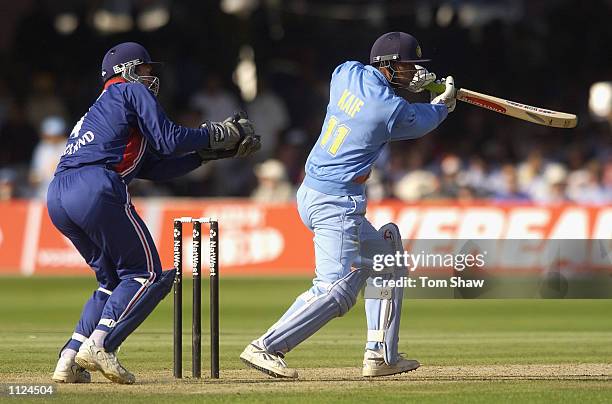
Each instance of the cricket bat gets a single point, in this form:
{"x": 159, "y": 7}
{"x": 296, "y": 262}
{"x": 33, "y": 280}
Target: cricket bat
{"x": 528, "y": 113}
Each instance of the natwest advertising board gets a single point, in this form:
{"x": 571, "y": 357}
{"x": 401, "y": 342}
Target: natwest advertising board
{"x": 269, "y": 239}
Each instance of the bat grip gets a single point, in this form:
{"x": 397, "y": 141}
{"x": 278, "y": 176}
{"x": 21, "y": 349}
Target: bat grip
{"x": 437, "y": 88}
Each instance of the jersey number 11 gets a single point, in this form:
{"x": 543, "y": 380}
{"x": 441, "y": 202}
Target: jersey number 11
{"x": 335, "y": 131}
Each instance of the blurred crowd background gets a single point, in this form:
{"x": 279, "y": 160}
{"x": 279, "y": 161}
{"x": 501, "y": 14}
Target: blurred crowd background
{"x": 274, "y": 59}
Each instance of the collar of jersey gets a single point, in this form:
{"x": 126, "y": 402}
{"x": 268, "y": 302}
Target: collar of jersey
{"x": 114, "y": 80}
{"x": 378, "y": 74}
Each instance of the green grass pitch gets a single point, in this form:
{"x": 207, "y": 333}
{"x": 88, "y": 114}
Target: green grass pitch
{"x": 471, "y": 350}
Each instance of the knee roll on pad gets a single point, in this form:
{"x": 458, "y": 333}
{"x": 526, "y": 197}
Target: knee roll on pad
{"x": 344, "y": 297}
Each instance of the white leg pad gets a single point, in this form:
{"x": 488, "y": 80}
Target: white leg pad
{"x": 384, "y": 304}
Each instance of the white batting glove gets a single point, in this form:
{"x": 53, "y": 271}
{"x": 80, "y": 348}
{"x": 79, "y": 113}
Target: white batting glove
{"x": 448, "y": 97}
{"x": 421, "y": 78}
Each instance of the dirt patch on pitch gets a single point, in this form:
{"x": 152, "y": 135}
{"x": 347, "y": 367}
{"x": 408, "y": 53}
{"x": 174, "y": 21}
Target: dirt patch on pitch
{"x": 245, "y": 380}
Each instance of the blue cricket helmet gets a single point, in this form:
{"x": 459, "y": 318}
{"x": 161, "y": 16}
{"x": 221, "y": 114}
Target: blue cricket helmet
{"x": 122, "y": 60}
{"x": 396, "y": 47}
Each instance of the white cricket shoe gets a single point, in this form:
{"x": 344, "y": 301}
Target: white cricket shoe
{"x": 67, "y": 371}
{"x": 374, "y": 364}
{"x": 262, "y": 360}
{"x": 95, "y": 358}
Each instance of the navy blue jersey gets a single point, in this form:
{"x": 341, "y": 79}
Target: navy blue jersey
{"x": 126, "y": 130}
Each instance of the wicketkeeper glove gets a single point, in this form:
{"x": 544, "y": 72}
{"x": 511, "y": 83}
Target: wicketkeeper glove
{"x": 234, "y": 137}
{"x": 227, "y": 134}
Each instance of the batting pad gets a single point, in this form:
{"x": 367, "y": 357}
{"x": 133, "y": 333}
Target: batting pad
{"x": 383, "y": 305}
{"x": 336, "y": 301}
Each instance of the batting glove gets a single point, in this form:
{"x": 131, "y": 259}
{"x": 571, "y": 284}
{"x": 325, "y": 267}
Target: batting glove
{"x": 421, "y": 78}
{"x": 448, "y": 97}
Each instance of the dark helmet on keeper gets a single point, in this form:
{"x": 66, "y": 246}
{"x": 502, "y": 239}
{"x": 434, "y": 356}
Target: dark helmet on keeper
{"x": 393, "y": 49}
{"x": 122, "y": 60}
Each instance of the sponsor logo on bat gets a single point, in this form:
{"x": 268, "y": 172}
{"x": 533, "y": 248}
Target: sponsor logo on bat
{"x": 485, "y": 104}
{"x": 529, "y": 107}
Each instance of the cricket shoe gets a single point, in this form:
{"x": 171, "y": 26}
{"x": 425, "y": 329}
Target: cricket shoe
{"x": 67, "y": 371}
{"x": 95, "y": 358}
{"x": 264, "y": 361}
{"x": 374, "y": 364}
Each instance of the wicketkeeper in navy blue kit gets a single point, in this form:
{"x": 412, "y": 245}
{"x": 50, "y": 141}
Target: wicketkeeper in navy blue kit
{"x": 124, "y": 135}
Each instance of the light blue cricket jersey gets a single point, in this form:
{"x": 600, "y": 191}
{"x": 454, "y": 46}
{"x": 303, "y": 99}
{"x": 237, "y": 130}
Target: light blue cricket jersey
{"x": 363, "y": 114}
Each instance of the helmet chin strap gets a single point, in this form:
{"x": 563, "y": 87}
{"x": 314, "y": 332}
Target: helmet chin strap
{"x": 151, "y": 82}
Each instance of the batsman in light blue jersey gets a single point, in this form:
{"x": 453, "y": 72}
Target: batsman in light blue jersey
{"x": 363, "y": 115}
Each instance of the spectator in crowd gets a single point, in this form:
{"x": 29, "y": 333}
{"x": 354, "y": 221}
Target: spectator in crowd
{"x": 506, "y": 187}
{"x": 417, "y": 185}
{"x": 552, "y": 188}
{"x": 7, "y": 184}
{"x": 47, "y": 154}
{"x": 399, "y": 164}
{"x": 409, "y": 178}
{"x": 214, "y": 101}
{"x": 575, "y": 157}
{"x": 269, "y": 112}
{"x": 241, "y": 181}
{"x": 583, "y": 185}
{"x": 293, "y": 153}
{"x": 273, "y": 185}
{"x": 487, "y": 155}
{"x": 17, "y": 138}
{"x": 475, "y": 175}
{"x": 606, "y": 180}
{"x": 43, "y": 100}
{"x": 199, "y": 181}
{"x": 530, "y": 174}
{"x": 465, "y": 193}
{"x": 450, "y": 167}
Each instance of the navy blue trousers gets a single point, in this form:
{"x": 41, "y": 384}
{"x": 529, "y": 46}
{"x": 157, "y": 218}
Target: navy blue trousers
{"x": 91, "y": 206}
